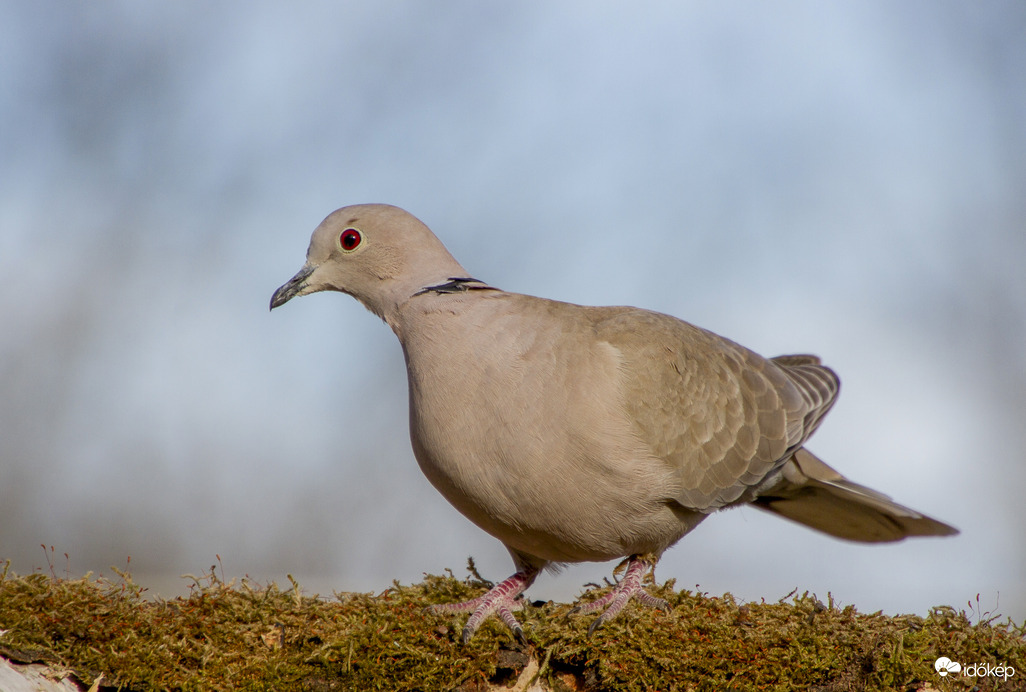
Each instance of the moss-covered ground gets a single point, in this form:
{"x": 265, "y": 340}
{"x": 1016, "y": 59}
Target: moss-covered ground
{"x": 238, "y": 636}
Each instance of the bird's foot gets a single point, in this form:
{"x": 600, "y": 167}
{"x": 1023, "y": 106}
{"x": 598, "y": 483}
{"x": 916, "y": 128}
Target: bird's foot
{"x": 501, "y": 600}
{"x": 628, "y": 588}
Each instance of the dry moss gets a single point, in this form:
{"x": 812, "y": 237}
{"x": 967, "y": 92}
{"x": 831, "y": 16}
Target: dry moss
{"x": 228, "y": 636}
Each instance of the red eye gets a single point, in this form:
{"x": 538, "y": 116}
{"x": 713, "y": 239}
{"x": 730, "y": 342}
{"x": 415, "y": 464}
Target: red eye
{"x": 350, "y": 239}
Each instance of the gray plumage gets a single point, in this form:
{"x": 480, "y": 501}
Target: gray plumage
{"x": 575, "y": 433}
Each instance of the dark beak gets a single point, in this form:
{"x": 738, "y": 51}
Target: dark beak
{"x": 294, "y": 286}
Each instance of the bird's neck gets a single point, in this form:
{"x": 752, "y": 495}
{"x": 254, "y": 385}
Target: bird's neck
{"x": 451, "y": 295}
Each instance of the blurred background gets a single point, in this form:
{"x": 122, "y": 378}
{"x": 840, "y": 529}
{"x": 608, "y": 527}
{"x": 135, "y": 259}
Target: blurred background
{"x": 841, "y": 179}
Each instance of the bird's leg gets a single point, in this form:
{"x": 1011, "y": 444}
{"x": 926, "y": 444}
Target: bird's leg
{"x": 502, "y": 599}
{"x": 628, "y": 588}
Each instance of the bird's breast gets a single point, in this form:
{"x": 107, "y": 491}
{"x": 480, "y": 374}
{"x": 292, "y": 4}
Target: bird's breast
{"x": 529, "y": 440}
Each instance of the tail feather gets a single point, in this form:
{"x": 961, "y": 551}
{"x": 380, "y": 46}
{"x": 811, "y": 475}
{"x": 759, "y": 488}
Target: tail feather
{"x": 815, "y": 495}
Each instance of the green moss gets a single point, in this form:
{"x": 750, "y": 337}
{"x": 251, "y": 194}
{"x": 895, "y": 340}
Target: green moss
{"x": 228, "y": 636}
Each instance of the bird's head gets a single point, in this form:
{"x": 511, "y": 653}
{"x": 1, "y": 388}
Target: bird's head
{"x": 377, "y": 253}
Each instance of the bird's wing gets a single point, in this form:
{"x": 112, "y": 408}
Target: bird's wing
{"x": 722, "y": 417}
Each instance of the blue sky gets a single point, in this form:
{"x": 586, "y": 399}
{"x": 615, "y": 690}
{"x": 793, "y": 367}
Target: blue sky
{"x": 842, "y": 179}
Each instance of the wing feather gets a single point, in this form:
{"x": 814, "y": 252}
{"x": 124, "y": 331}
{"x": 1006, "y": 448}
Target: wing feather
{"x": 720, "y": 416}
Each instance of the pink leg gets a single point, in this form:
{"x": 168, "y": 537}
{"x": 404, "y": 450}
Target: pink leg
{"x": 502, "y": 600}
{"x": 629, "y": 587}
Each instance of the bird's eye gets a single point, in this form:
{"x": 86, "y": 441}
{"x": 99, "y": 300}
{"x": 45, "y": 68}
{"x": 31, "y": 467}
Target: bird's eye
{"x": 349, "y": 239}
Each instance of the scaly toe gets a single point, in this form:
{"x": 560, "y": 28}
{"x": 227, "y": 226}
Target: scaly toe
{"x": 614, "y": 601}
{"x": 501, "y": 600}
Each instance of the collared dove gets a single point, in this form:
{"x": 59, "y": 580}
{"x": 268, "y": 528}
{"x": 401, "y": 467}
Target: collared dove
{"x": 576, "y": 433}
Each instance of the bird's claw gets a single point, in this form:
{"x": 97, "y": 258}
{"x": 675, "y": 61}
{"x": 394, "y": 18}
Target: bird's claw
{"x": 501, "y": 600}
{"x": 629, "y": 587}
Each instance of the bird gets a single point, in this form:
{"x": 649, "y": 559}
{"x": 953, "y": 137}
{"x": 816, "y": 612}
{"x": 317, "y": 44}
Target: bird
{"x": 575, "y": 433}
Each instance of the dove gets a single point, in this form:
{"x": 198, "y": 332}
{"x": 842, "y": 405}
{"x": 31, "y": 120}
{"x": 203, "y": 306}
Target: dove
{"x": 574, "y": 433}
